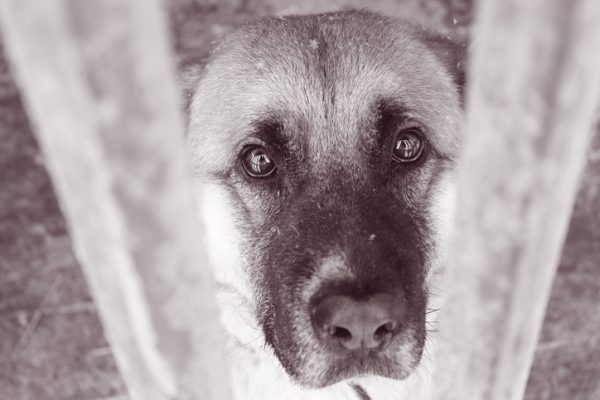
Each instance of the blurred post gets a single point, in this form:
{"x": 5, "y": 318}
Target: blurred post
{"x": 97, "y": 80}
{"x": 533, "y": 90}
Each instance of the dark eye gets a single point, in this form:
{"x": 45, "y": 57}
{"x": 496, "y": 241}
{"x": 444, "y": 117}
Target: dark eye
{"x": 408, "y": 146}
{"x": 257, "y": 163}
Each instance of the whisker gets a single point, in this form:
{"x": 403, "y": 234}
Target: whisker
{"x": 243, "y": 346}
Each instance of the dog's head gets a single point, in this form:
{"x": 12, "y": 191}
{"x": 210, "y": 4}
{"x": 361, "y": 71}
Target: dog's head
{"x": 324, "y": 149}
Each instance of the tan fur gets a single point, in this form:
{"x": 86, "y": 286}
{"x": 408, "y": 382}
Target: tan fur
{"x": 255, "y": 72}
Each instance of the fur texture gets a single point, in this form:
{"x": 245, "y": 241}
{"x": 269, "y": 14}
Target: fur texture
{"x": 325, "y": 97}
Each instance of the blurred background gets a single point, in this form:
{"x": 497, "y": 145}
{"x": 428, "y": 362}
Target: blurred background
{"x": 51, "y": 342}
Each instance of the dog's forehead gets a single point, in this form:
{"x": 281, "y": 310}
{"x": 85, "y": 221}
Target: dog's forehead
{"x": 324, "y": 77}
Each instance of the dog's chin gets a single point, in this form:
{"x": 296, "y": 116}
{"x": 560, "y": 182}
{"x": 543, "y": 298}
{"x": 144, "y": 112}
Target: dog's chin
{"x": 353, "y": 369}
{"x": 317, "y": 371}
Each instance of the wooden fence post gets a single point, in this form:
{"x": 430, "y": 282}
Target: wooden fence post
{"x": 533, "y": 90}
{"x": 97, "y": 80}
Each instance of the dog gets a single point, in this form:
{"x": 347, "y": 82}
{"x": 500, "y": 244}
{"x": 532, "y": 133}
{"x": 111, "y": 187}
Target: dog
{"x": 323, "y": 149}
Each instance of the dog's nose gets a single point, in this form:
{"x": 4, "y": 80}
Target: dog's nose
{"x": 357, "y": 325}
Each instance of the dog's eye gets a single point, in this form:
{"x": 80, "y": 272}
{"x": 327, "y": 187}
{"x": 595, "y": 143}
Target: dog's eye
{"x": 408, "y": 146}
{"x": 257, "y": 163}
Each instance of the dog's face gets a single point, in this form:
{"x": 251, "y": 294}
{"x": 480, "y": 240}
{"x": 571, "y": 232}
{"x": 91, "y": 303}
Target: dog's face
{"x": 324, "y": 149}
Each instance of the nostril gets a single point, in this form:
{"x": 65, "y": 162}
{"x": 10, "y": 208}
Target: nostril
{"x": 385, "y": 330}
{"x": 339, "y": 333}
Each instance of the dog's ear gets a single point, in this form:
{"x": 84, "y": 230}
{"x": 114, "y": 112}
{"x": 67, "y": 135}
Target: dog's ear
{"x": 453, "y": 54}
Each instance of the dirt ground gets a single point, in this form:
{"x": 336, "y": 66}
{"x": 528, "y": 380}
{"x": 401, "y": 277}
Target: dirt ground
{"x": 51, "y": 342}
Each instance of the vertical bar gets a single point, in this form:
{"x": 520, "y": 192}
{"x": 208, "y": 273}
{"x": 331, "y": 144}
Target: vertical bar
{"x": 97, "y": 80}
{"x": 534, "y": 86}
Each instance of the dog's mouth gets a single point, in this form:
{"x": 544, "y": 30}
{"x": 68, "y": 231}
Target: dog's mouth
{"x": 319, "y": 367}
{"x": 396, "y": 363}
{"x": 350, "y": 314}
{"x": 337, "y": 337}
